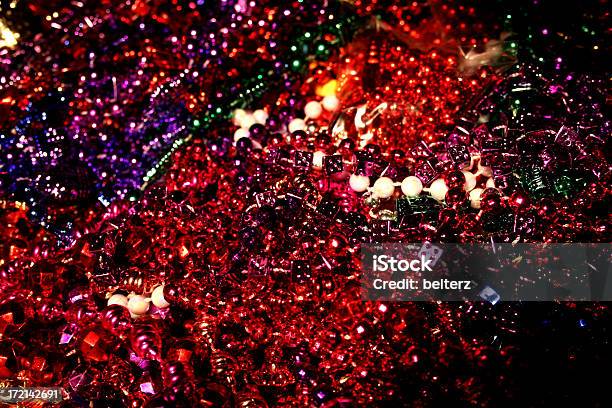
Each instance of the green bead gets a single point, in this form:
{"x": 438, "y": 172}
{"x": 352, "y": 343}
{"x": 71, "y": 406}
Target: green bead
{"x": 134, "y": 195}
{"x": 533, "y": 180}
{"x": 563, "y": 185}
{"x": 322, "y": 51}
{"x": 296, "y": 65}
{"x": 567, "y": 182}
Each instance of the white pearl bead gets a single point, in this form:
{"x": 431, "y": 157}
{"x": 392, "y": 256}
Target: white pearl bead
{"x": 485, "y": 171}
{"x": 317, "y": 159}
{"x": 359, "y": 183}
{"x": 475, "y": 197}
{"x": 383, "y": 187}
{"x": 239, "y": 114}
{"x": 157, "y": 297}
{"x": 438, "y": 189}
{"x": 138, "y": 305}
{"x": 412, "y": 186}
{"x": 297, "y": 124}
{"x": 330, "y": 103}
{"x": 260, "y": 116}
{"x": 470, "y": 180}
{"x": 490, "y": 183}
{"x": 247, "y": 121}
{"x": 117, "y": 299}
{"x": 313, "y": 109}
{"x": 240, "y": 133}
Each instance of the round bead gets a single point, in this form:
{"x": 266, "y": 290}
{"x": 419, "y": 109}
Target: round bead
{"x": 519, "y": 200}
{"x": 117, "y": 299}
{"x": 260, "y": 116}
{"x": 157, "y": 297}
{"x": 454, "y": 179}
{"x": 485, "y": 171}
{"x": 346, "y": 145}
{"x": 244, "y": 144}
{"x": 313, "y": 109}
{"x": 138, "y": 305}
{"x": 297, "y": 124}
{"x": 490, "y": 183}
{"x": 317, "y": 159}
{"x": 240, "y": 133}
{"x": 470, "y": 180}
{"x": 438, "y": 189}
{"x": 455, "y": 196}
{"x": 475, "y": 197}
{"x": 373, "y": 149}
{"x": 239, "y": 114}
{"x": 359, "y": 183}
{"x": 247, "y": 121}
{"x": 330, "y": 103}
{"x": 383, "y": 187}
{"x": 491, "y": 201}
{"x": 258, "y": 131}
{"x": 412, "y": 186}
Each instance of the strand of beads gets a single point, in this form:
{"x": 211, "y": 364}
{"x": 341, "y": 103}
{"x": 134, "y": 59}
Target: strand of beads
{"x": 139, "y": 305}
{"x": 412, "y": 186}
{"x": 313, "y": 110}
{"x": 472, "y": 182}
